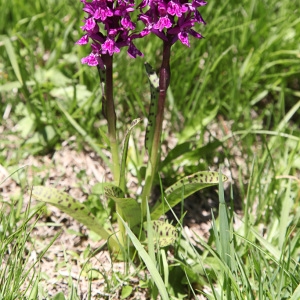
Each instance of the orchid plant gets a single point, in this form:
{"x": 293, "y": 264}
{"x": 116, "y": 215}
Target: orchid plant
{"x": 109, "y": 27}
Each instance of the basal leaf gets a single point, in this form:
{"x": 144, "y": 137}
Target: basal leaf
{"x": 113, "y": 190}
{"x": 73, "y": 208}
{"x": 164, "y": 234}
{"x": 131, "y": 210}
{"x": 184, "y": 188}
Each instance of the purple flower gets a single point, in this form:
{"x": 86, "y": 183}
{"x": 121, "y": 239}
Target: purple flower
{"x": 171, "y": 20}
{"x": 110, "y": 27}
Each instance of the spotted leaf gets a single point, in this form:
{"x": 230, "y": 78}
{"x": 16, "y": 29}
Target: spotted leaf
{"x": 184, "y": 188}
{"x": 164, "y": 234}
{"x": 73, "y": 208}
{"x": 131, "y": 210}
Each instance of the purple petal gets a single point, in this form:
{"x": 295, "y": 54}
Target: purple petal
{"x": 83, "y": 40}
{"x": 195, "y": 34}
{"x": 183, "y": 37}
{"x": 110, "y": 47}
{"x": 90, "y": 60}
{"x": 133, "y": 51}
{"x": 162, "y": 23}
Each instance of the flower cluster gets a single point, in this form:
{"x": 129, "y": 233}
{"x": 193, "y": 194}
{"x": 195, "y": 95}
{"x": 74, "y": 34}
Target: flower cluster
{"x": 171, "y": 20}
{"x": 115, "y": 32}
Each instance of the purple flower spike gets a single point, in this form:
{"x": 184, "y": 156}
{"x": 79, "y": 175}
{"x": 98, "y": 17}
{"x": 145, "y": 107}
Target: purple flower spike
{"x": 110, "y": 27}
{"x": 171, "y": 20}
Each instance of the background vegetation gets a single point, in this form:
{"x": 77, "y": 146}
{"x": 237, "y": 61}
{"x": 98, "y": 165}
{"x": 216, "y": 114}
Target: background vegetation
{"x": 234, "y": 100}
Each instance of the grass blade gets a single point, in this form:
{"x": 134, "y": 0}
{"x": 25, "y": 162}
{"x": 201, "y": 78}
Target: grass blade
{"x": 149, "y": 263}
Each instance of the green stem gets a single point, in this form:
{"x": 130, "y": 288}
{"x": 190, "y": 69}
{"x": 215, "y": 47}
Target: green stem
{"x": 164, "y": 80}
{"x": 111, "y": 116}
{"x": 112, "y": 135}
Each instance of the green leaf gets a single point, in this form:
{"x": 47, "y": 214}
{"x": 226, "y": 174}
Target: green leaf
{"x": 26, "y": 126}
{"x": 176, "y": 152}
{"x": 58, "y": 296}
{"x": 154, "y": 87}
{"x": 74, "y": 209}
{"x": 296, "y": 294}
{"x": 67, "y": 93}
{"x": 125, "y": 152}
{"x": 131, "y": 210}
{"x": 149, "y": 263}
{"x": 185, "y": 151}
{"x": 184, "y": 188}
{"x": 126, "y": 291}
{"x": 224, "y": 234}
{"x": 34, "y": 291}
{"x": 7, "y": 87}
{"x": 194, "y": 126}
{"x": 12, "y": 57}
{"x": 164, "y": 234}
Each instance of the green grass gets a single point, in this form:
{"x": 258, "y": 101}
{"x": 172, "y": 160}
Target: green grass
{"x": 19, "y": 273}
{"x": 242, "y": 79}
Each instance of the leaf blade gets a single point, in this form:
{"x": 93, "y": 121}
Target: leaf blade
{"x": 148, "y": 262}
{"x": 164, "y": 234}
{"x": 190, "y": 184}
{"x": 73, "y": 208}
{"x": 131, "y": 210}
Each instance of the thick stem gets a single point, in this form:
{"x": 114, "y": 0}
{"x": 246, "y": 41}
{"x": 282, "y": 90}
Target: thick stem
{"x": 112, "y": 135}
{"x": 111, "y": 116}
{"x": 164, "y": 80}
